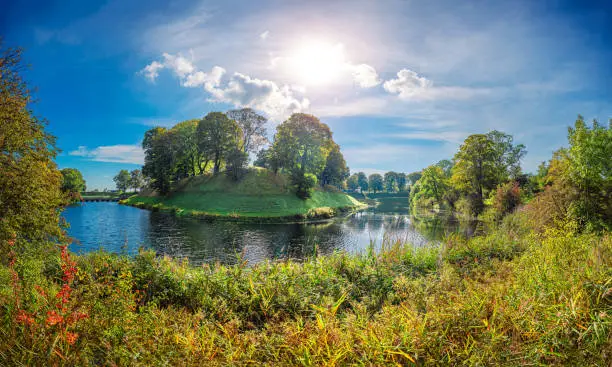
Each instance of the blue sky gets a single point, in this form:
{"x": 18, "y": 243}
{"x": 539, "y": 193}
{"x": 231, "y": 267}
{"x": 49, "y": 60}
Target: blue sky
{"x": 401, "y": 83}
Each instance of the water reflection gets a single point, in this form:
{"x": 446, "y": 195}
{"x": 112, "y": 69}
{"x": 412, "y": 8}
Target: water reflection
{"x": 119, "y": 228}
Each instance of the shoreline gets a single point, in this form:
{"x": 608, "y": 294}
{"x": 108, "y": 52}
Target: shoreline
{"x": 318, "y": 215}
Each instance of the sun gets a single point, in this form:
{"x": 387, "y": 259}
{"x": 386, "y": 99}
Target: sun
{"x": 316, "y": 62}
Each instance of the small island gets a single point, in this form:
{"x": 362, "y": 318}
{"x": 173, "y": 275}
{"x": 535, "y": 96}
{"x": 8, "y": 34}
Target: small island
{"x": 260, "y": 196}
{"x": 201, "y": 168}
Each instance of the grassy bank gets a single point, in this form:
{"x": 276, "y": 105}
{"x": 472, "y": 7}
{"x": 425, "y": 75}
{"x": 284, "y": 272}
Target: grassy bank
{"x": 508, "y": 298}
{"x": 260, "y": 195}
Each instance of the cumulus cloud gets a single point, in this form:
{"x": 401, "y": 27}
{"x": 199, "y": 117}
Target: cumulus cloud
{"x": 185, "y": 70}
{"x": 240, "y": 90}
{"x": 151, "y": 71}
{"x": 408, "y": 84}
{"x": 264, "y": 95}
{"x": 132, "y": 154}
{"x": 411, "y": 86}
{"x": 365, "y": 75}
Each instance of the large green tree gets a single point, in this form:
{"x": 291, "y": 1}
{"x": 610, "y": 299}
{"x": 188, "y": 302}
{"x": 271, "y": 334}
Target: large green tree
{"x": 252, "y": 128}
{"x": 590, "y": 172}
{"x": 137, "y": 180}
{"x": 390, "y": 181}
{"x": 301, "y": 145}
{"x": 430, "y": 190}
{"x": 30, "y": 183}
{"x": 336, "y": 170}
{"x": 217, "y": 137}
{"x": 352, "y": 183}
{"x": 159, "y": 159}
{"x": 122, "y": 180}
{"x": 375, "y": 182}
{"x": 72, "y": 181}
{"x": 362, "y": 180}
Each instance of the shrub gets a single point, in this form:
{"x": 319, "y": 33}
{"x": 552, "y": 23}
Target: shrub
{"x": 304, "y": 184}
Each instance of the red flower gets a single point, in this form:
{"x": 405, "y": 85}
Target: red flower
{"x": 54, "y": 318}
{"x": 24, "y": 318}
{"x": 71, "y": 338}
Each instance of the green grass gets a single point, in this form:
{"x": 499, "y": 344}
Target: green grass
{"x": 260, "y": 194}
{"x": 508, "y": 298}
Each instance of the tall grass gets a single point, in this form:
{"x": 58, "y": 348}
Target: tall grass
{"x": 508, "y": 298}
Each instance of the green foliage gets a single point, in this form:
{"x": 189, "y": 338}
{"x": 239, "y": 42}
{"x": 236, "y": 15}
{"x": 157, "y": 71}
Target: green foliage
{"x": 159, "y": 160}
{"x": 390, "y": 181}
{"x": 375, "y": 182}
{"x": 217, "y": 137}
{"x": 137, "y": 180}
{"x": 30, "y": 182}
{"x": 498, "y": 299}
{"x": 237, "y": 161}
{"x": 304, "y": 184}
{"x": 590, "y": 173}
{"x": 363, "y": 182}
{"x": 302, "y": 145}
{"x": 252, "y": 127}
{"x": 352, "y": 182}
{"x": 413, "y": 177}
{"x": 72, "y": 182}
{"x": 430, "y": 190}
{"x": 123, "y": 180}
{"x": 336, "y": 170}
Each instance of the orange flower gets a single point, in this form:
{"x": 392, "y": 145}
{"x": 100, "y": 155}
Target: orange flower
{"x": 54, "y": 318}
{"x": 71, "y": 338}
{"x": 24, "y": 318}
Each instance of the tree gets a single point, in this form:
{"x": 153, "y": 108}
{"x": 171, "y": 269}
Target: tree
{"x": 336, "y": 170}
{"x": 362, "y": 180}
{"x": 507, "y": 156}
{"x": 159, "y": 159}
{"x": 72, "y": 181}
{"x": 446, "y": 166}
{"x": 252, "y": 127}
{"x": 352, "y": 183}
{"x": 401, "y": 181}
{"x": 301, "y": 145}
{"x": 122, "y": 180}
{"x": 237, "y": 161}
{"x": 30, "y": 183}
{"x": 375, "y": 182}
{"x": 188, "y": 160}
{"x": 590, "y": 173}
{"x": 217, "y": 137}
{"x": 390, "y": 181}
{"x": 483, "y": 162}
{"x": 413, "y": 177}
{"x": 476, "y": 171}
{"x": 137, "y": 180}
{"x": 430, "y": 189}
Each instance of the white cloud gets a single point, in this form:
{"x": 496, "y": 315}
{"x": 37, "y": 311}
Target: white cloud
{"x": 200, "y": 78}
{"x": 151, "y": 71}
{"x": 264, "y": 35}
{"x": 365, "y": 75}
{"x": 132, "y": 154}
{"x": 185, "y": 70}
{"x": 264, "y": 95}
{"x": 408, "y": 84}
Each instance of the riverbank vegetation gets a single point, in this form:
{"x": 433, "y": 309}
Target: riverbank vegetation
{"x": 535, "y": 289}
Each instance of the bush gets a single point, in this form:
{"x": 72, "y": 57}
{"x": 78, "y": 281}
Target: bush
{"x": 304, "y": 184}
{"x": 236, "y": 162}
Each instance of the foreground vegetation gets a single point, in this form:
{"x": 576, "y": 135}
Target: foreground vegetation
{"x": 506, "y": 298}
{"x": 259, "y": 195}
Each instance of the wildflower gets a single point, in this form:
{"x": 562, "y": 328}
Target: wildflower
{"x": 24, "y": 318}
{"x": 71, "y": 337}
{"x": 54, "y": 318}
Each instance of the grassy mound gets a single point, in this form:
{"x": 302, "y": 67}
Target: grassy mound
{"x": 260, "y": 194}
